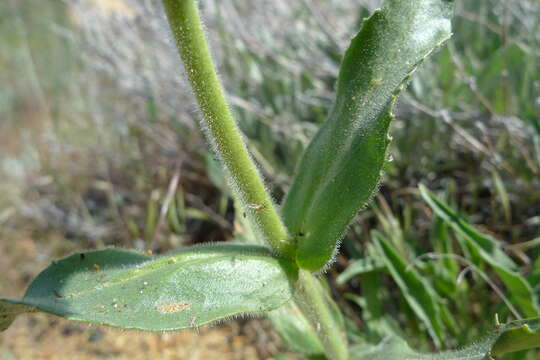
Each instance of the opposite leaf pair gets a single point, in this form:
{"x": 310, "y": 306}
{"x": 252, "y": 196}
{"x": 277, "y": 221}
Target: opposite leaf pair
{"x": 337, "y": 175}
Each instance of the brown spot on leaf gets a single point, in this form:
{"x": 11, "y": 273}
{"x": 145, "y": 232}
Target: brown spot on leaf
{"x": 173, "y": 308}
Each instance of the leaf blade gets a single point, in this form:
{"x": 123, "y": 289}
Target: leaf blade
{"x": 10, "y": 310}
{"x": 341, "y": 167}
{"x": 489, "y": 251}
{"x": 514, "y": 336}
{"x": 360, "y": 266}
{"x": 419, "y": 294}
{"x": 185, "y": 289}
{"x": 295, "y": 330}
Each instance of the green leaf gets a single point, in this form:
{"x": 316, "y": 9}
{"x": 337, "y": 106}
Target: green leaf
{"x": 445, "y": 270}
{"x": 185, "y": 289}
{"x": 295, "y": 330}
{"x": 515, "y": 336}
{"x": 418, "y": 293}
{"x": 341, "y": 167}
{"x": 377, "y": 323}
{"x": 490, "y": 251}
{"x": 520, "y": 335}
{"x": 288, "y": 321}
{"x": 9, "y": 311}
{"x": 391, "y": 348}
{"x": 359, "y": 267}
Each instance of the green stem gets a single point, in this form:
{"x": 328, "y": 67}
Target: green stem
{"x": 222, "y": 131}
{"x": 311, "y": 300}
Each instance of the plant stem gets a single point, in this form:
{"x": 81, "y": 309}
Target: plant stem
{"x": 222, "y": 131}
{"x": 311, "y": 300}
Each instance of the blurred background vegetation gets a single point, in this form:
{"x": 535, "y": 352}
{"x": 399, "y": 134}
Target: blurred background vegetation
{"x": 100, "y": 145}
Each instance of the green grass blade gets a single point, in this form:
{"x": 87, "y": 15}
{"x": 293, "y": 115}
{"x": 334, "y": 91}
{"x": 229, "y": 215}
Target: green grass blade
{"x": 490, "y": 251}
{"x": 341, "y": 167}
{"x": 295, "y": 330}
{"x": 378, "y": 323}
{"x": 359, "y": 267}
{"x": 131, "y": 290}
{"x": 515, "y": 336}
{"x": 418, "y": 293}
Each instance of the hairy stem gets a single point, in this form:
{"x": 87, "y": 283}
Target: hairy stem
{"x": 222, "y": 131}
{"x": 311, "y": 298}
